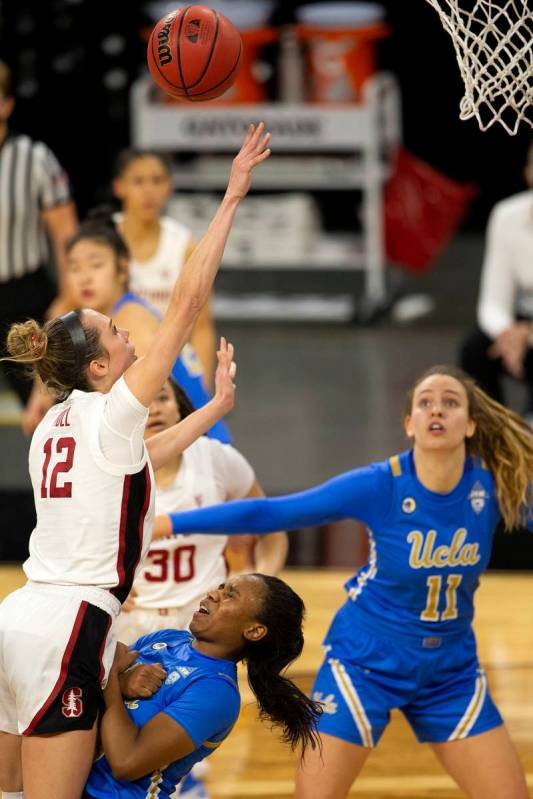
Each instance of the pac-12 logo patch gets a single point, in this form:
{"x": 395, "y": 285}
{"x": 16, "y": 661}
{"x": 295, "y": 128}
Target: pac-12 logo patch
{"x": 408, "y": 505}
{"x": 72, "y": 703}
{"x": 478, "y": 497}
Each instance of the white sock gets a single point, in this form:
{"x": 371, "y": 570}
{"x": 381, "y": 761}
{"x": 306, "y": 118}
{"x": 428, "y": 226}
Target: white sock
{"x": 12, "y": 795}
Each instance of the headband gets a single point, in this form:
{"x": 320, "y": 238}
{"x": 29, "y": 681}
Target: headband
{"x": 71, "y": 321}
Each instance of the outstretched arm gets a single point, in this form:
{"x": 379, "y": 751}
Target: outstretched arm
{"x": 169, "y": 443}
{"x": 350, "y": 495}
{"x": 270, "y": 552}
{"x": 146, "y": 376}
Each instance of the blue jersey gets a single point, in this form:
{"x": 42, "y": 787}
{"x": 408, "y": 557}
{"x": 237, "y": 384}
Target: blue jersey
{"x": 186, "y": 372}
{"x": 200, "y": 693}
{"x": 427, "y": 550}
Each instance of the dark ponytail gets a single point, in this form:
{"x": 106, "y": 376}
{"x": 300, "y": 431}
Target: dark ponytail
{"x": 280, "y": 700}
{"x": 100, "y": 227}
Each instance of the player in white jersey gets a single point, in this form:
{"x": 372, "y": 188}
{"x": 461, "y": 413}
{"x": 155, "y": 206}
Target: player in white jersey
{"x": 158, "y": 244}
{"x": 180, "y": 569}
{"x": 92, "y": 488}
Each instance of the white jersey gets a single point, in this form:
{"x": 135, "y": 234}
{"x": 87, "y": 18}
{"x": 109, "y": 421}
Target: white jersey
{"x": 154, "y": 279}
{"x": 181, "y": 568}
{"x": 92, "y": 484}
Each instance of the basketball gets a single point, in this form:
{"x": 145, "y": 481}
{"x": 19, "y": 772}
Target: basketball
{"x": 194, "y": 53}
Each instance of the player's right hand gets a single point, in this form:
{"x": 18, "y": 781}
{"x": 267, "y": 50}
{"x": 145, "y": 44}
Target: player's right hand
{"x": 142, "y": 681}
{"x": 254, "y": 151}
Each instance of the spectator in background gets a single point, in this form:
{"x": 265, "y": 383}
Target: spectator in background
{"x": 35, "y": 207}
{"x": 503, "y": 341}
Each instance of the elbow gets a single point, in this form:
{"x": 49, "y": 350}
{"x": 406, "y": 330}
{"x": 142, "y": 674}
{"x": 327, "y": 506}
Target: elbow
{"x": 124, "y": 771}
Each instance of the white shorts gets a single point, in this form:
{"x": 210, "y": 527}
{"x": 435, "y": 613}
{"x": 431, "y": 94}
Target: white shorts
{"x": 142, "y": 621}
{"x": 57, "y": 645}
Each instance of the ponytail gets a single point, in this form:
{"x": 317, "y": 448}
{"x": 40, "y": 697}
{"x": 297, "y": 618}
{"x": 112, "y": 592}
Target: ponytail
{"x": 53, "y": 354}
{"x": 503, "y": 440}
{"x": 280, "y": 701}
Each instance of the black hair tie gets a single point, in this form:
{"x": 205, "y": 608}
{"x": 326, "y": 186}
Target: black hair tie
{"x": 71, "y": 321}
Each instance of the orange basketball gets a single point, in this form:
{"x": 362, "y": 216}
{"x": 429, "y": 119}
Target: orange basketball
{"x": 194, "y": 53}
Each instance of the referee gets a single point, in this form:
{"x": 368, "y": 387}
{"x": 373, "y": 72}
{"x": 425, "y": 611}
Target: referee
{"x": 36, "y": 211}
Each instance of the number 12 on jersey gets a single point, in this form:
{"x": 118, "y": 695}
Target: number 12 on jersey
{"x": 434, "y": 584}
{"x": 63, "y": 448}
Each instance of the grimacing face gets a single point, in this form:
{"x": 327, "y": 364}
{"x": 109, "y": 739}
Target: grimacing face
{"x": 228, "y": 614}
{"x": 439, "y": 418}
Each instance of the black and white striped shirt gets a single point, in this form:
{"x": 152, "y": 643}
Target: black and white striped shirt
{"x": 31, "y": 180}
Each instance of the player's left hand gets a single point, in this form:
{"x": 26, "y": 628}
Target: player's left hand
{"x": 225, "y": 375}
{"x": 142, "y": 681}
{"x": 124, "y": 657}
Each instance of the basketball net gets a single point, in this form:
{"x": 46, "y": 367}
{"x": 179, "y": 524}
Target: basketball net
{"x": 494, "y": 50}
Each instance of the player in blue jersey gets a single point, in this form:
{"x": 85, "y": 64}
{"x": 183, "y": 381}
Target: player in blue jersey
{"x": 97, "y": 278}
{"x": 404, "y": 638}
{"x": 150, "y": 744}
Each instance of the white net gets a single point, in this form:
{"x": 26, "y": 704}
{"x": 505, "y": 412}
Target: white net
{"x": 493, "y": 41}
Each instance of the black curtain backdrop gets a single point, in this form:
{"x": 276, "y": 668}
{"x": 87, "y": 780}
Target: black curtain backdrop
{"x": 74, "y": 62}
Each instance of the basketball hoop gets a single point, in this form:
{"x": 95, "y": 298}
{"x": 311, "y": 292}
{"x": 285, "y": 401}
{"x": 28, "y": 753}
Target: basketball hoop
{"x": 493, "y": 41}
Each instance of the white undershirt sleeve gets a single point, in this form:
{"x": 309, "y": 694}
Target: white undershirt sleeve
{"x": 233, "y": 474}
{"x": 495, "y": 310}
{"x": 121, "y": 433}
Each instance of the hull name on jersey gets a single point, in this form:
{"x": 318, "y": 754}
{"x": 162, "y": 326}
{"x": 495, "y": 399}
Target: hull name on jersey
{"x": 424, "y": 554}
{"x": 62, "y": 419}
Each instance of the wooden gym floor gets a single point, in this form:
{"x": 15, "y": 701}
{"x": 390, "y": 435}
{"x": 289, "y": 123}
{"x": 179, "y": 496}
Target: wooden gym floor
{"x": 251, "y": 764}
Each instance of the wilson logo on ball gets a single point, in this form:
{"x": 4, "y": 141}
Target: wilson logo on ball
{"x": 192, "y": 30}
{"x": 163, "y": 49}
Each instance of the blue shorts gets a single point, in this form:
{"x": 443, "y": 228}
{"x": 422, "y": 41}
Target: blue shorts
{"x": 437, "y": 684}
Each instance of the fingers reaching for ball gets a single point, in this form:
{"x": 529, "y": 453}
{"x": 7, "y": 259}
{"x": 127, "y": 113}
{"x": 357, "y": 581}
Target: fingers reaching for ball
{"x": 254, "y": 151}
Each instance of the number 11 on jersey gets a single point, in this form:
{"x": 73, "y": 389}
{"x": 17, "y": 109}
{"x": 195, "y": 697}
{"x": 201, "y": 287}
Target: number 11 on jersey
{"x": 434, "y": 584}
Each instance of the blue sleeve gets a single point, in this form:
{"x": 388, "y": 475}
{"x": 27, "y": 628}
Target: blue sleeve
{"x": 361, "y": 494}
{"x": 198, "y": 394}
{"x": 206, "y": 710}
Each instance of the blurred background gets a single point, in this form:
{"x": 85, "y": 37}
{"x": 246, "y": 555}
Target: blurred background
{"x": 355, "y": 262}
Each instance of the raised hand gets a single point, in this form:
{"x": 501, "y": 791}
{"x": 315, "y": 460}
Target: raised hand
{"x": 225, "y": 375}
{"x": 254, "y": 151}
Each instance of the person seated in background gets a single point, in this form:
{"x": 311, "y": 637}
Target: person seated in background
{"x": 503, "y": 341}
